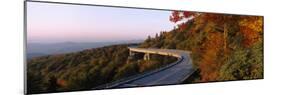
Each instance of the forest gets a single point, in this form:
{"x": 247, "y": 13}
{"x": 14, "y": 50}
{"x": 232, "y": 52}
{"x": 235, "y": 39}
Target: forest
{"x": 224, "y": 47}
{"x": 86, "y": 69}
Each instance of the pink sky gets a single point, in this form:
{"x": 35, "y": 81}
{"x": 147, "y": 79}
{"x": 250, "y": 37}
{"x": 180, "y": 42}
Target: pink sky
{"x": 54, "y": 23}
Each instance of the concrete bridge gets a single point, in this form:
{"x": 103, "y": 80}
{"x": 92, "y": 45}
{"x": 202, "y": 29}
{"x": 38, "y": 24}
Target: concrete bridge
{"x": 174, "y": 73}
{"x": 147, "y": 52}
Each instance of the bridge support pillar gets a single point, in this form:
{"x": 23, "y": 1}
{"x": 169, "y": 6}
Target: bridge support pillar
{"x": 146, "y": 56}
{"x": 131, "y": 55}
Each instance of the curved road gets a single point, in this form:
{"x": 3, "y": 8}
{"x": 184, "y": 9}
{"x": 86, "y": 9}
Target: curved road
{"x": 174, "y": 73}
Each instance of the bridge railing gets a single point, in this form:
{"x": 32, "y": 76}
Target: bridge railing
{"x": 154, "y": 52}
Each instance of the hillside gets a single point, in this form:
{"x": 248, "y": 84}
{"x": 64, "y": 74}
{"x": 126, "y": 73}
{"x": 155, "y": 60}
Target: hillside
{"x": 86, "y": 69}
{"x": 224, "y": 47}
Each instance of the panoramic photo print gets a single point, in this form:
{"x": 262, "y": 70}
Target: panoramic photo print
{"x": 73, "y": 47}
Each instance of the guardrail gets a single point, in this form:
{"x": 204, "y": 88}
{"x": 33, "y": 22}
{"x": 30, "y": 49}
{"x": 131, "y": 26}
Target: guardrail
{"x": 138, "y": 76}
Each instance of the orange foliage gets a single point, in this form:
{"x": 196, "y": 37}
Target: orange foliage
{"x": 175, "y": 16}
{"x": 251, "y": 28}
{"x": 179, "y": 15}
{"x": 187, "y": 14}
{"x": 208, "y": 65}
{"x": 182, "y": 26}
{"x": 216, "y": 18}
{"x": 61, "y": 82}
{"x": 145, "y": 65}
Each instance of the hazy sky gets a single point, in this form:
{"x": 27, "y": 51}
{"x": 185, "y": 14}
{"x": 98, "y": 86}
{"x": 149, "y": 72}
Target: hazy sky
{"x": 55, "y": 23}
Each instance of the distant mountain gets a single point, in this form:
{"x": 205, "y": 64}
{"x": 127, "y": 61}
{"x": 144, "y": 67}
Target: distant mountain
{"x": 41, "y": 49}
{"x": 31, "y": 55}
